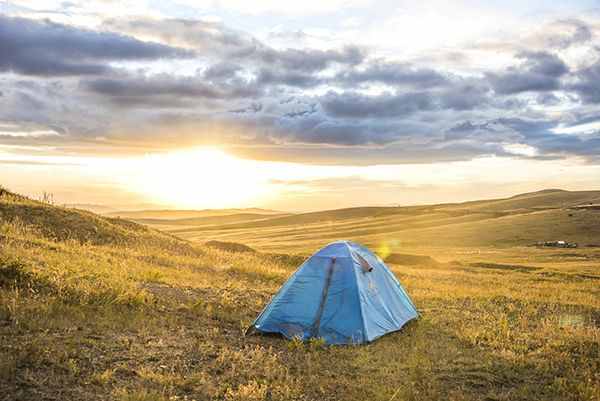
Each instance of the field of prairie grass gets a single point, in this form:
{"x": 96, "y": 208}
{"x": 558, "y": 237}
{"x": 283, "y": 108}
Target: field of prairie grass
{"x": 95, "y": 308}
{"x": 518, "y": 221}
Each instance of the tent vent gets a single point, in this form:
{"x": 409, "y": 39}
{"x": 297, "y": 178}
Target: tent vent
{"x": 363, "y": 263}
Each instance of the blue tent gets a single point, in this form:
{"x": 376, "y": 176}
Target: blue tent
{"x": 343, "y": 293}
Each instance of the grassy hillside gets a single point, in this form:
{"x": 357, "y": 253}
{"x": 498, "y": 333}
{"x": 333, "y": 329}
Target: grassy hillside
{"x": 67, "y": 224}
{"x": 129, "y": 313}
{"x": 517, "y": 221}
{"x": 549, "y": 198}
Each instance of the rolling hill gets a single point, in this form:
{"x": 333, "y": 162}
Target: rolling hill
{"x": 188, "y": 214}
{"x": 520, "y": 220}
{"x": 68, "y": 224}
{"x": 98, "y": 308}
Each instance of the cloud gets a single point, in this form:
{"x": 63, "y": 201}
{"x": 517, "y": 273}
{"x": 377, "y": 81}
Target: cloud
{"x": 565, "y": 33}
{"x": 548, "y": 99}
{"x": 221, "y": 81}
{"x": 392, "y": 73}
{"x": 139, "y": 90}
{"x": 33, "y": 104}
{"x": 37, "y": 163}
{"x": 346, "y": 103}
{"x": 207, "y": 37}
{"x": 386, "y": 105}
{"x": 271, "y": 76}
{"x": 270, "y": 7}
{"x": 44, "y": 48}
{"x": 528, "y": 134}
{"x": 538, "y": 72}
{"x": 214, "y": 39}
{"x": 317, "y": 128}
{"x": 310, "y": 60}
{"x": 587, "y": 83}
{"x": 461, "y": 95}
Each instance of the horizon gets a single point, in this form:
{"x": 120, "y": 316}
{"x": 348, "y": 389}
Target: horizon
{"x": 334, "y": 104}
{"x": 112, "y": 211}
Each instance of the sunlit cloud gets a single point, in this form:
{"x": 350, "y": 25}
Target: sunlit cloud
{"x": 29, "y": 134}
{"x": 521, "y": 149}
{"x": 587, "y": 128}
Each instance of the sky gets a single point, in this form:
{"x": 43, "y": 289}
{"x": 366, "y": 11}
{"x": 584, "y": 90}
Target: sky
{"x": 297, "y": 105}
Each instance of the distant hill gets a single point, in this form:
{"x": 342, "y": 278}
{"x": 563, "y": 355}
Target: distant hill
{"x": 216, "y": 220}
{"x": 516, "y": 221}
{"x": 519, "y": 220}
{"x": 188, "y": 214}
{"x": 320, "y": 217}
{"x": 550, "y": 198}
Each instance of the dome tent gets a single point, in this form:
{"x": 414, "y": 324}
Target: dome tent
{"x": 343, "y": 293}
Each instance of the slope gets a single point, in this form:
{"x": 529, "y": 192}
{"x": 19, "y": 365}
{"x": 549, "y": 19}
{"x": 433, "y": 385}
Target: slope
{"x": 516, "y": 221}
{"x": 133, "y": 314}
{"x": 62, "y": 224}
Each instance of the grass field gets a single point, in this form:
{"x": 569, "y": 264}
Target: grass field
{"x": 97, "y": 308}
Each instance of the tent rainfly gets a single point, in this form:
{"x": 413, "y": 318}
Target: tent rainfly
{"x": 343, "y": 294}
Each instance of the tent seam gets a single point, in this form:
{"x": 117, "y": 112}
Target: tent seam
{"x": 358, "y": 294}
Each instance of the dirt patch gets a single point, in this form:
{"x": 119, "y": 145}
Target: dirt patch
{"x": 174, "y": 294}
{"x": 498, "y": 266}
{"x": 229, "y": 246}
{"x": 569, "y": 276}
{"x": 410, "y": 260}
{"x": 289, "y": 260}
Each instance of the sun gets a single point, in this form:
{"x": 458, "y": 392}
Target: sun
{"x": 198, "y": 178}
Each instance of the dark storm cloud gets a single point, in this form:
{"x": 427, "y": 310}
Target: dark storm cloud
{"x": 356, "y": 105}
{"x": 393, "y": 74}
{"x": 270, "y": 76}
{"x": 44, "y": 48}
{"x": 500, "y": 130}
{"x": 535, "y": 133}
{"x": 565, "y": 145}
{"x": 137, "y": 89}
{"x": 317, "y": 128}
{"x": 310, "y": 60}
{"x": 456, "y": 96}
{"x": 352, "y": 134}
{"x": 222, "y": 71}
{"x": 538, "y": 72}
{"x": 465, "y": 95}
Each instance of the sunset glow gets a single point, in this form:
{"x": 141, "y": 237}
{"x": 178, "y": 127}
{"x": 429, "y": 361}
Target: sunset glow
{"x": 204, "y": 177}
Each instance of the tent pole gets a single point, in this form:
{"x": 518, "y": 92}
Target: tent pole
{"x": 316, "y": 325}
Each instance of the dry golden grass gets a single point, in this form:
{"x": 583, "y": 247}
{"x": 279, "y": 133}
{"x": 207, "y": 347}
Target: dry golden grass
{"x": 516, "y": 221}
{"x": 149, "y": 317}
